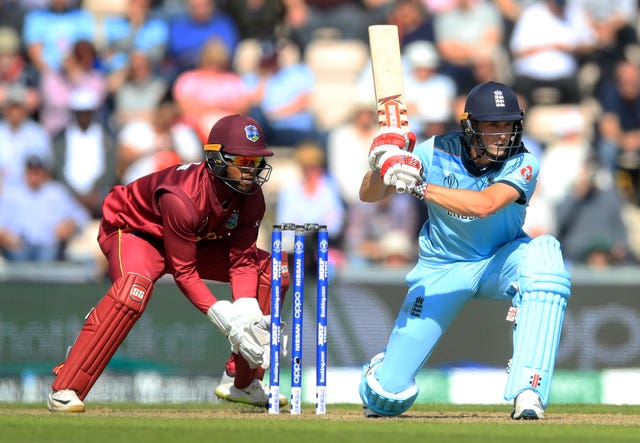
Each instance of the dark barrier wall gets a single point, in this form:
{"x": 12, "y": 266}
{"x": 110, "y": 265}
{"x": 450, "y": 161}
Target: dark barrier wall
{"x": 38, "y": 321}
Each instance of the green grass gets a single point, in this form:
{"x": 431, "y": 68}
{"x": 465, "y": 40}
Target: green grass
{"x": 128, "y": 422}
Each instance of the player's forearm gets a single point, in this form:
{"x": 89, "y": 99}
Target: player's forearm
{"x": 373, "y": 188}
{"x": 464, "y": 202}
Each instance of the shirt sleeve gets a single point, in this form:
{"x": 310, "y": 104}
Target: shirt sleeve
{"x": 521, "y": 172}
{"x": 180, "y": 243}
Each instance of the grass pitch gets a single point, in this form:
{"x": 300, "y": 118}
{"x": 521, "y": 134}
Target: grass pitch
{"x": 225, "y": 423}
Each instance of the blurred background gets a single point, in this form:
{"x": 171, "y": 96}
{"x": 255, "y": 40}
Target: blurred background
{"x": 98, "y": 93}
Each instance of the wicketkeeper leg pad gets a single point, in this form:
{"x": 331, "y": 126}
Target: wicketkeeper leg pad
{"x": 375, "y": 397}
{"x": 105, "y": 328}
{"x": 543, "y": 291}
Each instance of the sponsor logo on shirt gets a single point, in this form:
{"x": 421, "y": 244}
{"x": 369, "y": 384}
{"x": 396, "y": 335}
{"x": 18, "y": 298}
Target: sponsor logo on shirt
{"x": 461, "y": 217}
{"x": 526, "y": 172}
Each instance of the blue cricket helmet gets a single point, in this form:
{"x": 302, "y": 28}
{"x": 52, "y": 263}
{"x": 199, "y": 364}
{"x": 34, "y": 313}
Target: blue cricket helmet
{"x": 492, "y": 102}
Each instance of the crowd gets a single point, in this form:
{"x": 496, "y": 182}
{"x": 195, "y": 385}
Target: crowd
{"x": 96, "y": 93}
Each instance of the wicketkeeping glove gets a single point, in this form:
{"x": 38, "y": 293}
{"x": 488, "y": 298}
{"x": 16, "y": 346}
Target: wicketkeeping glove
{"x": 238, "y": 322}
{"x": 263, "y": 333}
{"x": 389, "y": 140}
{"x": 402, "y": 170}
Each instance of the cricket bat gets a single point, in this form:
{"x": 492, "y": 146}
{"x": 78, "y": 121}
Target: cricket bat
{"x": 388, "y": 82}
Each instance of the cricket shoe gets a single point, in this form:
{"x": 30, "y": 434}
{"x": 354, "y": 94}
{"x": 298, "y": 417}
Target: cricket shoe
{"x": 527, "y": 406}
{"x": 65, "y": 400}
{"x": 256, "y": 394}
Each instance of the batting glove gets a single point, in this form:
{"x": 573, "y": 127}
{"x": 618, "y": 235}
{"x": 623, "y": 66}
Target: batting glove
{"x": 402, "y": 170}
{"x": 389, "y": 140}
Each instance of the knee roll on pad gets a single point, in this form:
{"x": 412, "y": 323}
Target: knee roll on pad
{"x": 377, "y": 399}
{"x": 542, "y": 268}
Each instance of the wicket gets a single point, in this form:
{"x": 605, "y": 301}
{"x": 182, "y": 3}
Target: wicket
{"x": 298, "y": 312}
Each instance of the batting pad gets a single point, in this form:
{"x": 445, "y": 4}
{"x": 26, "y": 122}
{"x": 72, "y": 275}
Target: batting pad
{"x": 536, "y": 342}
{"x": 105, "y": 328}
{"x": 377, "y": 399}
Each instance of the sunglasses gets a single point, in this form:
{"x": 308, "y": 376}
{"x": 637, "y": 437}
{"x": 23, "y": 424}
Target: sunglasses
{"x": 242, "y": 161}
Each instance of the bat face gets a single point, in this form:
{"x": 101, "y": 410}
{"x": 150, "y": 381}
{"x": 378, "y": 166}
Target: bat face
{"x": 386, "y": 64}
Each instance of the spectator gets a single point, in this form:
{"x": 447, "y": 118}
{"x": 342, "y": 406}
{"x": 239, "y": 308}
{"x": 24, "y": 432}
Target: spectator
{"x": 189, "y": 32}
{"x": 430, "y": 95}
{"x": 460, "y": 31}
{"x": 349, "y": 18}
{"x": 85, "y": 153}
{"x": 211, "y": 90}
{"x": 140, "y": 93}
{"x": 38, "y": 216}
{"x": 590, "y": 223}
{"x": 14, "y": 69}
{"x": 148, "y": 146}
{"x": 565, "y": 151}
{"x": 545, "y": 64}
{"x": 281, "y": 92}
{"x": 511, "y": 10}
{"x": 20, "y": 136}
{"x": 614, "y": 24}
{"x": 256, "y": 19}
{"x": 313, "y": 197}
{"x": 619, "y": 123}
{"x": 348, "y": 148}
{"x": 12, "y": 13}
{"x": 78, "y": 71}
{"x": 139, "y": 31}
{"x": 413, "y": 21}
{"x": 48, "y": 49}
{"x": 382, "y": 232}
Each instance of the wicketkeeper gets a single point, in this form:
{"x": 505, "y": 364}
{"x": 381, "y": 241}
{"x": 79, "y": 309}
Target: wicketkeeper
{"x": 477, "y": 185}
{"x": 196, "y": 222}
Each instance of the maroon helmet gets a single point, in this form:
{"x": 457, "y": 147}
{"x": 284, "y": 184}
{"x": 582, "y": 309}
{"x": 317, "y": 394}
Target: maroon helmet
{"x": 232, "y": 140}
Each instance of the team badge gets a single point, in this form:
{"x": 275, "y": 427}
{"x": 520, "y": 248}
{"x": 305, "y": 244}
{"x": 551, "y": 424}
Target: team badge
{"x": 252, "y": 133}
{"x": 232, "y": 221}
{"x": 498, "y": 97}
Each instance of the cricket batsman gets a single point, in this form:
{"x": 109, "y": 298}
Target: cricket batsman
{"x": 196, "y": 221}
{"x": 477, "y": 185}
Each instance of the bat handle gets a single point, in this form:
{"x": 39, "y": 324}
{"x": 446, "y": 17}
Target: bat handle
{"x": 401, "y": 186}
